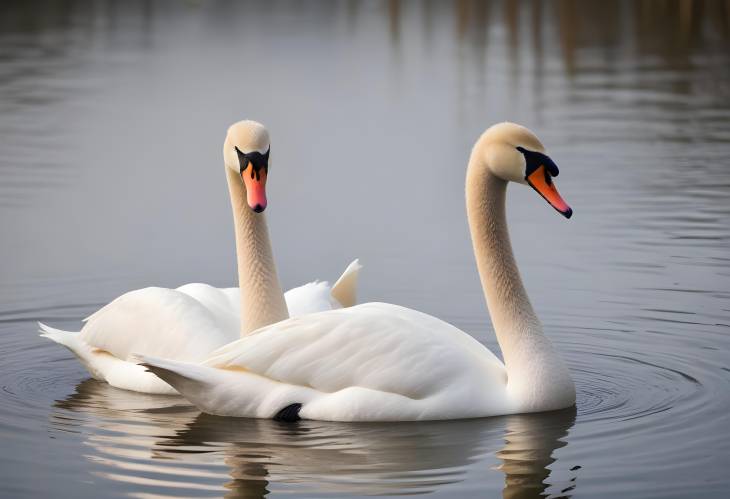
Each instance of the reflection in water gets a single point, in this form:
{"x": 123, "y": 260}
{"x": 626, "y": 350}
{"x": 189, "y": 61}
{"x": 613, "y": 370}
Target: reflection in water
{"x": 45, "y": 45}
{"x": 333, "y": 458}
{"x": 531, "y": 440}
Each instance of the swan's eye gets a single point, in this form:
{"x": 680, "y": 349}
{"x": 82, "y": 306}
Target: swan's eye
{"x": 242, "y": 160}
{"x": 534, "y": 160}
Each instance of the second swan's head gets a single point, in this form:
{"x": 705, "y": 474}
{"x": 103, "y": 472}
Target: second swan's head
{"x": 514, "y": 154}
{"x": 246, "y": 152}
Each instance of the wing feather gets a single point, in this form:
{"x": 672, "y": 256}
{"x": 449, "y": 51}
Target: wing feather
{"x": 157, "y": 321}
{"x": 375, "y": 346}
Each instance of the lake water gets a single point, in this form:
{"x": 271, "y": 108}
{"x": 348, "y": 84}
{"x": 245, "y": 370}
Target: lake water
{"x": 112, "y": 116}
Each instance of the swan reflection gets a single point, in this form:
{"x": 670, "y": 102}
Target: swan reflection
{"x": 151, "y": 446}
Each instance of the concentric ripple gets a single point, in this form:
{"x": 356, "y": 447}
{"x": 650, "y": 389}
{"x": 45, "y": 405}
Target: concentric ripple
{"x": 152, "y": 446}
{"x": 161, "y": 446}
{"x": 632, "y": 389}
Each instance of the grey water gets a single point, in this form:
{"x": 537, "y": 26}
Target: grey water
{"x": 112, "y": 116}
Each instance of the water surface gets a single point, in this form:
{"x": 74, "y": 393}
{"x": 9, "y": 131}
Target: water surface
{"x": 113, "y": 115}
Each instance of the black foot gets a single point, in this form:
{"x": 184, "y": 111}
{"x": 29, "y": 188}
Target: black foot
{"x": 289, "y": 414}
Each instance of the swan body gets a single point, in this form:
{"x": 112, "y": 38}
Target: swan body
{"x": 381, "y": 362}
{"x": 370, "y": 362}
{"x": 190, "y": 322}
{"x": 187, "y": 323}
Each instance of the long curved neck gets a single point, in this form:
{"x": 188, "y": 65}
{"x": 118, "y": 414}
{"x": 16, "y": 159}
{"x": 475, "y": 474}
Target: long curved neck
{"x": 510, "y": 308}
{"x": 532, "y": 364}
{"x": 262, "y": 301}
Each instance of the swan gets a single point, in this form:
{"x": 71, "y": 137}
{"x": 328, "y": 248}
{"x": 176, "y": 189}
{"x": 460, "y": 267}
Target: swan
{"x": 190, "y": 322}
{"x": 383, "y": 362}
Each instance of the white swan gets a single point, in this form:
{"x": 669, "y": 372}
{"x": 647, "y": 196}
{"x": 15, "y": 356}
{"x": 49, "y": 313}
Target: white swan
{"x": 381, "y": 362}
{"x": 190, "y": 322}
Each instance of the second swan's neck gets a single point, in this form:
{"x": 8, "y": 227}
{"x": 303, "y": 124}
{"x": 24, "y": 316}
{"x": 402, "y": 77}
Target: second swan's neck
{"x": 509, "y": 306}
{"x": 262, "y": 301}
{"x": 537, "y": 377}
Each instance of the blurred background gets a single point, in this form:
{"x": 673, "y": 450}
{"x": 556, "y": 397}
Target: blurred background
{"x": 112, "y": 118}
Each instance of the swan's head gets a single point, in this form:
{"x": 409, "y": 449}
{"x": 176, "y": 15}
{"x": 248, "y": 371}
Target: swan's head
{"x": 246, "y": 152}
{"x": 513, "y": 153}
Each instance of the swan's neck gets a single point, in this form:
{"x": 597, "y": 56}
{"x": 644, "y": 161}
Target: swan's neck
{"x": 262, "y": 301}
{"x": 534, "y": 369}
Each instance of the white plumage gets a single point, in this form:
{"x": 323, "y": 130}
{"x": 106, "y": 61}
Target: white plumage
{"x": 187, "y": 324}
{"x": 370, "y": 362}
{"x": 381, "y": 362}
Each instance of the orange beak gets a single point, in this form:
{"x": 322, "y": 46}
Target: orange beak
{"x": 542, "y": 182}
{"x": 255, "y": 182}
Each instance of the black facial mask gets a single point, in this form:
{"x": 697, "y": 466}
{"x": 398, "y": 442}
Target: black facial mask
{"x": 258, "y": 161}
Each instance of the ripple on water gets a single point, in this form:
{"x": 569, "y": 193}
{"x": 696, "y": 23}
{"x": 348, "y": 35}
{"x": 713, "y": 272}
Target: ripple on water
{"x": 162, "y": 446}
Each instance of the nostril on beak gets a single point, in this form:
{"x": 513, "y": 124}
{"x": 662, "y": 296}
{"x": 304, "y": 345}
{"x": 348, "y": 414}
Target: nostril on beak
{"x": 258, "y": 208}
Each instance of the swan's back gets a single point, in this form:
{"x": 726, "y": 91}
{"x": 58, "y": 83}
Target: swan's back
{"x": 169, "y": 322}
{"x": 186, "y": 323}
{"x": 402, "y": 363}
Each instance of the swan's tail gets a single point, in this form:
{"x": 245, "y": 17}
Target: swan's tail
{"x": 186, "y": 377}
{"x": 69, "y": 339}
{"x": 225, "y": 392}
{"x": 345, "y": 289}
{"x": 72, "y": 340}
{"x": 206, "y": 387}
